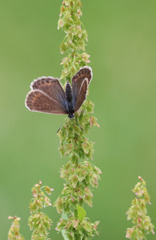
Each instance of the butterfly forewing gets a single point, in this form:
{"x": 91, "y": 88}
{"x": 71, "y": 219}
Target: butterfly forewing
{"x": 47, "y": 96}
{"x": 82, "y": 94}
{"x": 84, "y": 73}
{"x": 51, "y": 87}
{"x": 38, "y": 101}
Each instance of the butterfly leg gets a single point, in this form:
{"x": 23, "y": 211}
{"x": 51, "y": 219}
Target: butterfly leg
{"x": 62, "y": 125}
{"x": 78, "y": 124}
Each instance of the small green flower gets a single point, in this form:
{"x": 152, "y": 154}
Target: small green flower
{"x": 138, "y": 213}
{"x": 76, "y": 229}
{"x": 39, "y": 222}
{"x": 14, "y": 233}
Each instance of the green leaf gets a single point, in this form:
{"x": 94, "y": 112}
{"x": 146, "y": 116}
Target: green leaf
{"x": 80, "y": 212}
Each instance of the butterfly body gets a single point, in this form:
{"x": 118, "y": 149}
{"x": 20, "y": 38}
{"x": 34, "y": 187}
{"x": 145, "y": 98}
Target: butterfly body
{"x": 69, "y": 98}
{"x": 48, "y": 96}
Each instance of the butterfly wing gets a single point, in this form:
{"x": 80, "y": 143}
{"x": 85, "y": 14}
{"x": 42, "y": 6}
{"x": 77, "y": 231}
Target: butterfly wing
{"x": 80, "y": 84}
{"x": 47, "y": 95}
{"x": 82, "y": 94}
{"x": 51, "y": 87}
{"x": 38, "y": 101}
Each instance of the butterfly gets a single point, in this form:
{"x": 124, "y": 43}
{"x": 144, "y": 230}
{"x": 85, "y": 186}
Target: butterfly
{"x": 48, "y": 96}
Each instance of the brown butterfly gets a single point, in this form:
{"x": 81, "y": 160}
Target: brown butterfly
{"x": 47, "y": 94}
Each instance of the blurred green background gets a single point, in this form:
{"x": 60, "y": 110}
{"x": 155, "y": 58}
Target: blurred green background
{"x": 122, "y": 45}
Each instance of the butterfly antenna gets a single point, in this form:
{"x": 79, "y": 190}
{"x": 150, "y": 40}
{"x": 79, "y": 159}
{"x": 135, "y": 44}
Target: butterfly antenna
{"x": 62, "y": 125}
{"x": 78, "y": 124}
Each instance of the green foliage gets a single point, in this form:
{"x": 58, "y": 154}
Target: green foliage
{"x": 14, "y": 233}
{"x": 79, "y": 174}
{"x": 77, "y": 190}
{"x": 39, "y": 222}
{"x": 72, "y": 136}
{"x": 75, "y": 40}
{"x": 138, "y": 213}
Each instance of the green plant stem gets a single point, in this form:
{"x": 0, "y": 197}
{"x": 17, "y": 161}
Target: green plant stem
{"x": 79, "y": 174}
